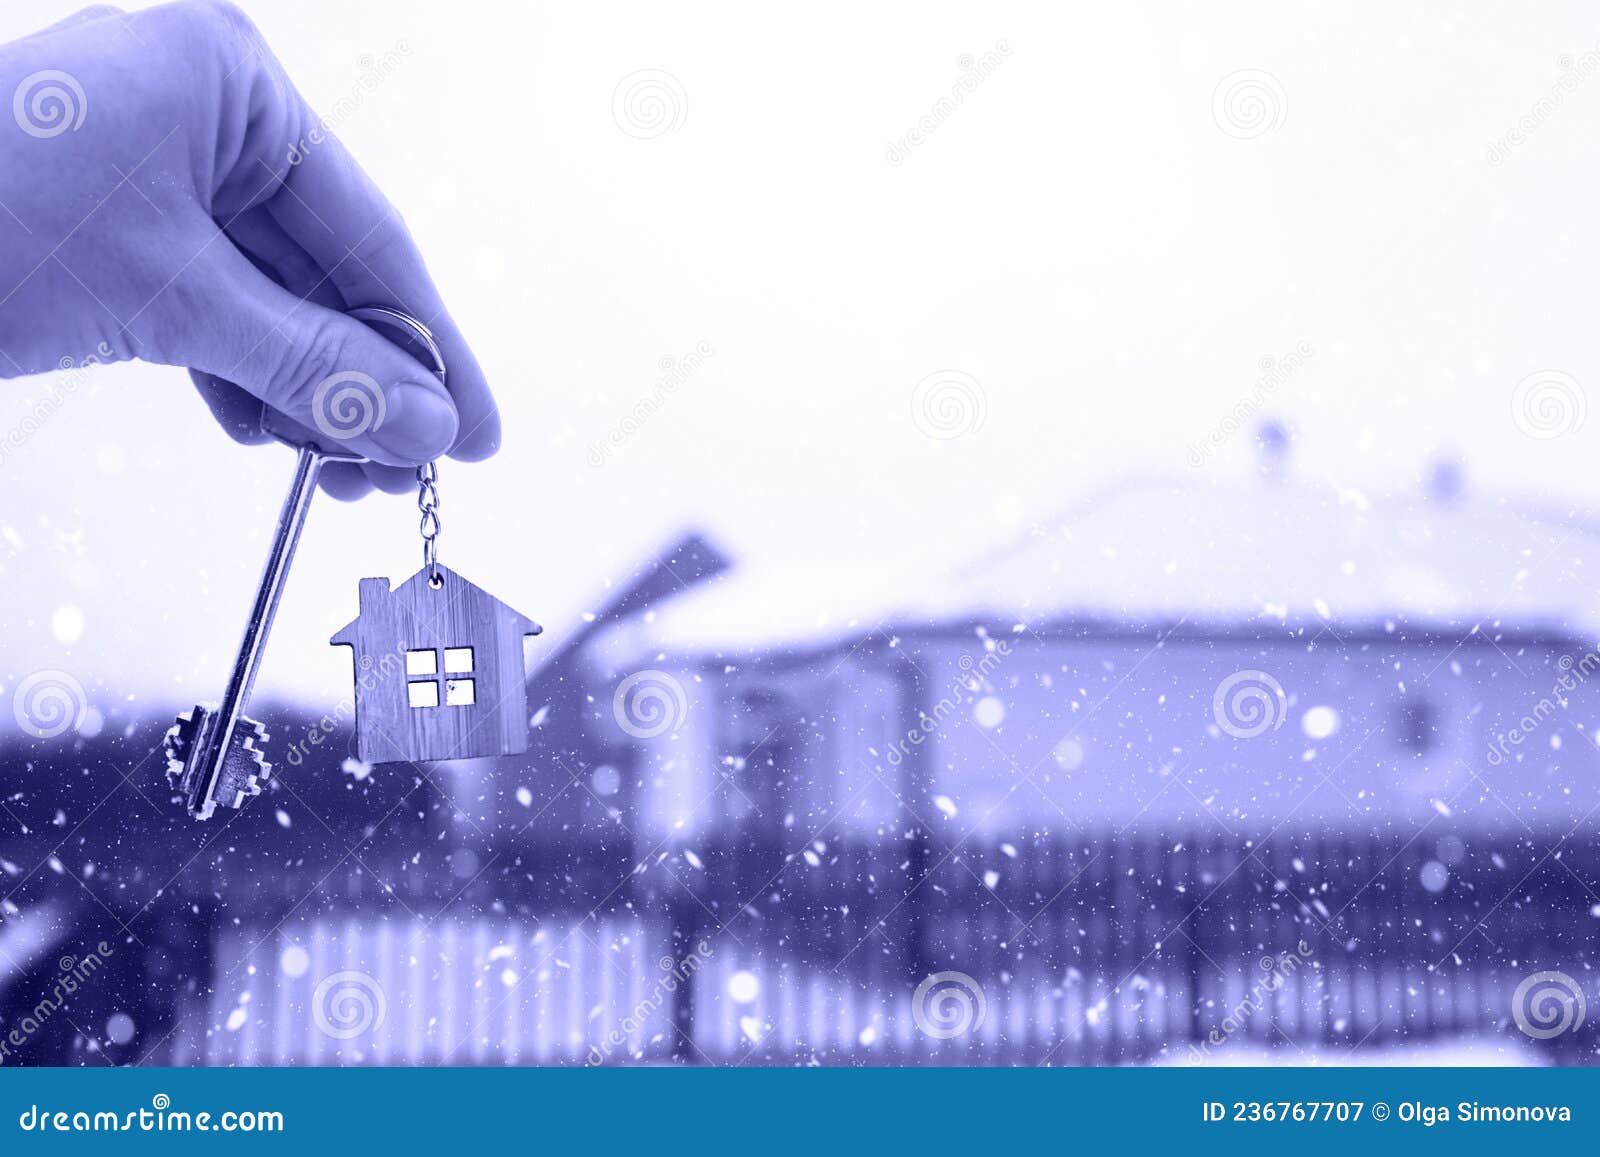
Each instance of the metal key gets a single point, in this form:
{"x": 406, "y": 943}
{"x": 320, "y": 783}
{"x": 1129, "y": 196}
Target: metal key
{"x": 214, "y": 755}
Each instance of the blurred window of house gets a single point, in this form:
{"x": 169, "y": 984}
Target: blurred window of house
{"x": 1419, "y": 725}
{"x": 767, "y": 739}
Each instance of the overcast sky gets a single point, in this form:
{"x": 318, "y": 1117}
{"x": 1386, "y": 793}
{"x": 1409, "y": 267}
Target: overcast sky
{"x": 1093, "y": 237}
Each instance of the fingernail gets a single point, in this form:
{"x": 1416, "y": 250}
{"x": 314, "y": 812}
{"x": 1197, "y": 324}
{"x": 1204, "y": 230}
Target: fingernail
{"x": 420, "y": 423}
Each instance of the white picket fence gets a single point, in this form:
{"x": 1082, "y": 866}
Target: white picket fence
{"x": 497, "y": 991}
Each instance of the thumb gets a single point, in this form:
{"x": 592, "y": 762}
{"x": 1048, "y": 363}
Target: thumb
{"x": 329, "y": 372}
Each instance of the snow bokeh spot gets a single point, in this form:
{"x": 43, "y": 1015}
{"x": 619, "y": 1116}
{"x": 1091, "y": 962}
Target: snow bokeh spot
{"x": 1435, "y": 876}
{"x": 67, "y": 624}
{"x": 1320, "y": 722}
{"x": 1068, "y": 755}
{"x": 119, "y": 1028}
{"x": 989, "y": 712}
{"x": 743, "y": 987}
{"x": 605, "y": 780}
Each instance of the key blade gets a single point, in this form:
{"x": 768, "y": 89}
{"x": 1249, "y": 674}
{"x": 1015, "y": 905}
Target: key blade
{"x": 220, "y": 760}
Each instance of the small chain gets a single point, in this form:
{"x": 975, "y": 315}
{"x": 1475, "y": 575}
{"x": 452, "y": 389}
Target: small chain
{"x": 428, "y": 503}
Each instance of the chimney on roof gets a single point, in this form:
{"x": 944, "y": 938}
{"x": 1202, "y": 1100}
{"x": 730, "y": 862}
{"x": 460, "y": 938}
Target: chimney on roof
{"x": 1272, "y": 450}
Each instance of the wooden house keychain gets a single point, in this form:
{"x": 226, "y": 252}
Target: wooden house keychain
{"x": 438, "y": 661}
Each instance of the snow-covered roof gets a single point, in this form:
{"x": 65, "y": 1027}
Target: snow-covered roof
{"x": 1224, "y": 554}
{"x": 1237, "y": 553}
{"x": 752, "y": 608}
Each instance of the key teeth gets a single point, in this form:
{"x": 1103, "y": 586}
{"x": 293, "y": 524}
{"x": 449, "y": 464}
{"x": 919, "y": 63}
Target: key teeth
{"x": 169, "y": 747}
{"x": 179, "y": 741}
{"x": 244, "y": 771}
{"x": 252, "y": 782}
{"x": 247, "y": 769}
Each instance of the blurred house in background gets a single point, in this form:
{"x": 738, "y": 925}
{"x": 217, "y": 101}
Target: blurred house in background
{"x": 1194, "y": 769}
{"x": 1176, "y": 732}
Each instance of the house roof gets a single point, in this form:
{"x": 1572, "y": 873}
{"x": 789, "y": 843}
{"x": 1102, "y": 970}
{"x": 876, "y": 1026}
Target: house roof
{"x": 1247, "y": 552}
{"x": 1218, "y": 553}
{"x": 690, "y": 559}
{"x": 346, "y": 635}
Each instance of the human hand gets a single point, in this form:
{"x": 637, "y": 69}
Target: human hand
{"x": 161, "y": 197}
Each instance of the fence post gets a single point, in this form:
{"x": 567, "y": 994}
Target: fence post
{"x": 915, "y": 778}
